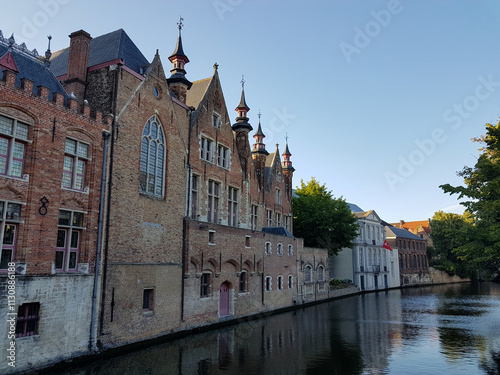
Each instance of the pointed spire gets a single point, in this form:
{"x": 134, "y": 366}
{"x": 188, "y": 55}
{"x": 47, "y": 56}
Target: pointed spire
{"x": 286, "y": 164}
{"x": 48, "y": 53}
{"x": 242, "y": 109}
{"x": 259, "y": 147}
{"x": 178, "y": 83}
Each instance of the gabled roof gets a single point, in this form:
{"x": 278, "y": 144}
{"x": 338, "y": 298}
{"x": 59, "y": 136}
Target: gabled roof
{"x": 366, "y": 214}
{"x": 272, "y": 163}
{"x": 197, "y": 92}
{"x": 400, "y": 233}
{"x": 281, "y": 231}
{"x": 104, "y": 48}
{"x": 414, "y": 226}
{"x": 32, "y": 68}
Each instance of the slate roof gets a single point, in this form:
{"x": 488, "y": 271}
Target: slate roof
{"x": 33, "y": 69}
{"x": 104, "y": 48}
{"x": 281, "y": 231}
{"x": 197, "y": 92}
{"x": 401, "y": 233}
{"x": 354, "y": 207}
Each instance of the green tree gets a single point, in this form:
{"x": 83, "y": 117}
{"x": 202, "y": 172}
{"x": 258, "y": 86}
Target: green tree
{"x": 482, "y": 193}
{"x": 449, "y": 232}
{"x": 322, "y": 220}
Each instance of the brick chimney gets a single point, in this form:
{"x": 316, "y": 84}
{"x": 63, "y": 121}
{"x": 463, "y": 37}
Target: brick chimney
{"x": 77, "y": 64}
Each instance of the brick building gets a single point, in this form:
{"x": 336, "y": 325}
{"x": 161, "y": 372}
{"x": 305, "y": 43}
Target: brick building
{"x": 51, "y": 157}
{"x": 198, "y": 221}
{"x": 413, "y": 262}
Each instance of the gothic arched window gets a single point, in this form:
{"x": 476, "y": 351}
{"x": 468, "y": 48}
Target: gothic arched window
{"x": 152, "y": 177}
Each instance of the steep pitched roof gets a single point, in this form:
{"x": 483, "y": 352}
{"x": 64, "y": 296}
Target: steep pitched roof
{"x": 104, "y": 48}
{"x": 415, "y": 226}
{"x": 197, "y": 92}
{"x": 354, "y": 207}
{"x": 31, "y": 68}
{"x": 400, "y": 233}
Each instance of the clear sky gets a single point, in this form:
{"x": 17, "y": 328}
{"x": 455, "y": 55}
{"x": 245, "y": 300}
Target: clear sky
{"x": 380, "y": 99}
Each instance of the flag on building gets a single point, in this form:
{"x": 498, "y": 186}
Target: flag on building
{"x": 386, "y": 245}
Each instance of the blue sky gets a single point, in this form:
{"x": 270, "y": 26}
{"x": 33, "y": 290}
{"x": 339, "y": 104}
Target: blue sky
{"x": 380, "y": 99}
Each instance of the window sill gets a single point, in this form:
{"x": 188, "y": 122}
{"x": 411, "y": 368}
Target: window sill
{"x": 26, "y": 177}
{"x": 151, "y": 196}
{"x": 84, "y": 191}
{"x": 148, "y": 313}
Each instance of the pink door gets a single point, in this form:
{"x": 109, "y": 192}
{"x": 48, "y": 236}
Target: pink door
{"x": 224, "y": 299}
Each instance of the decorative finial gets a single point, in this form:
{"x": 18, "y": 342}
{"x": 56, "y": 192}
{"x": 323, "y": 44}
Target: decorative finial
{"x": 48, "y": 54}
{"x": 286, "y": 137}
{"x": 216, "y": 66}
{"x": 242, "y": 81}
{"x": 258, "y": 114}
{"x": 180, "y": 23}
{"x": 11, "y": 40}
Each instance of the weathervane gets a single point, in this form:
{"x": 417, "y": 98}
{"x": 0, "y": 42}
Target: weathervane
{"x": 242, "y": 81}
{"x": 180, "y": 22}
{"x": 258, "y": 114}
{"x": 286, "y": 137}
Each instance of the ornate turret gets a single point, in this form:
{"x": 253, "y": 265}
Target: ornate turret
{"x": 288, "y": 170}
{"x": 259, "y": 154}
{"x": 241, "y": 129}
{"x": 178, "y": 83}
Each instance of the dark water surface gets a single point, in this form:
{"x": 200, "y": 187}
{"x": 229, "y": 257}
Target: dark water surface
{"x": 451, "y": 329}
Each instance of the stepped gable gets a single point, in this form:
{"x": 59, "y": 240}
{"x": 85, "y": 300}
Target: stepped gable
{"x": 31, "y": 66}
{"x": 108, "y": 47}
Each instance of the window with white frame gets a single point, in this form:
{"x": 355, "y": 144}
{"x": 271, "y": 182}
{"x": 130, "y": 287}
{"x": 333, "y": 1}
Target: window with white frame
{"x": 232, "y": 207}
{"x": 194, "y": 197}
{"x": 269, "y": 218}
{"x": 269, "y": 283}
{"x": 222, "y": 156}
{"x": 76, "y": 156}
{"x": 10, "y": 218}
{"x": 268, "y": 248}
{"x": 279, "y": 249}
{"x": 216, "y": 120}
{"x": 290, "y": 250}
{"x": 254, "y": 216}
{"x": 152, "y": 165}
{"x": 13, "y": 140}
{"x": 207, "y": 149}
{"x": 280, "y": 282}
{"x": 278, "y": 196}
{"x": 277, "y": 219}
{"x": 213, "y": 202}
{"x": 290, "y": 281}
{"x": 308, "y": 274}
{"x": 69, "y": 233}
{"x": 286, "y": 222}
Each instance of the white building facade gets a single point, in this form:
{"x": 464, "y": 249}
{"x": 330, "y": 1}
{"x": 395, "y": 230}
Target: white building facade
{"x": 369, "y": 264}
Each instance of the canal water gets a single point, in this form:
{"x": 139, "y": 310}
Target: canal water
{"x": 448, "y": 329}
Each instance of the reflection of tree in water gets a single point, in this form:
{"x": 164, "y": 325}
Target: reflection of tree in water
{"x": 492, "y": 367}
{"x": 456, "y": 343}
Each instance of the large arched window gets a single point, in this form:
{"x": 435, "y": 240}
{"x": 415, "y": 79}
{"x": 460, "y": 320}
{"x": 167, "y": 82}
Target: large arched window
{"x": 152, "y": 176}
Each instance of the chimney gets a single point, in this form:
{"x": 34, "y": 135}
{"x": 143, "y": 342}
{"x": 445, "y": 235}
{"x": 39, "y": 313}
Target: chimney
{"x": 77, "y": 64}
{"x": 401, "y": 223}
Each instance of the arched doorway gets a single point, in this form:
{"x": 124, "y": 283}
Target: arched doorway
{"x": 224, "y": 299}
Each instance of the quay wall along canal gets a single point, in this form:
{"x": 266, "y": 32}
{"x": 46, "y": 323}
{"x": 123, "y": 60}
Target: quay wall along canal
{"x": 243, "y": 325}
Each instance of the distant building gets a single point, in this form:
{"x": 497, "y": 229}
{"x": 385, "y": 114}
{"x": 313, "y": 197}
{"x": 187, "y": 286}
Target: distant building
{"x": 370, "y": 264}
{"x": 413, "y": 262}
{"x": 420, "y": 228}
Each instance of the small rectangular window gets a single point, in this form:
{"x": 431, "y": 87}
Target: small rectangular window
{"x": 216, "y": 120}
{"x": 211, "y": 237}
{"x": 205, "y": 285}
{"x": 243, "y": 282}
{"x": 148, "y": 299}
{"x": 254, "y": 216}
{"x": 269, "y": 283}
{"x": 232, "y": 207}
{"x": 268, "y": 248}
{"x": 194, "y": 197}
{"x": 28, "y": 316}
{"x": 213, "y": 202}
{"x": 269, "y": 218}
{"x": 207, "y": 149}
{"x": 290, "y": 281}
{"x": 223, "y": 157}
{"x": 247, "y": 241}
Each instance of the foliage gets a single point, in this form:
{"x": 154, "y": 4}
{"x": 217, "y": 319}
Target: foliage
{"x": 481, "y": 241}
{"x": 449, "y": 232}
{"x": 322, "y": 220}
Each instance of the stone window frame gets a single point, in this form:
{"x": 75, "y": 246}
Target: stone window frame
{"x": 280, "y": 282}
{"x": 290, "y": 281}
{"x": 254, "y": 215}
{"x": 268, "y": 248}
{"x": 153, "y": 158}
{"x": 194, "y": 196}
{"x": 10, "y": 219}
{"x": 213, "y": 199}
{"x": 223, "y": 156}
{"x": 207, "y": 149}
{"x": 205, "y": 281}
{"x": 279, "y": 249}
{"x": 75, "y": 165}
{"x": 243, "y": 282}
{"x": 71, "y": 241}
{"x": 268, "y": 283}
{"x": 232, "y": 206}
{"x": 148, "y": 298}
{"x": 290, "y": 250}
{"x": 17, "y": 136}
{"x": 308, "y": 279}
{"x": 216, "y": 120}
